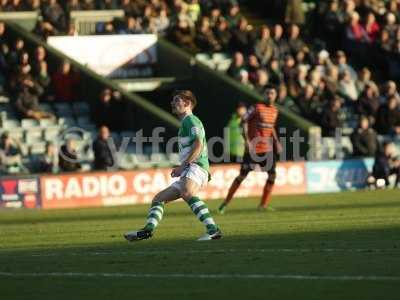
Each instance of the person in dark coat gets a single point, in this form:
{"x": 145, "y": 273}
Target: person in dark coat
{"x": 330, "y": 117}
{"x": 364, "y": 139}
{"x": 386, "y": 164}
{"x": 103, "y": 158}
{"x": 68, "y": 157}
{"x": 388, "y": 117}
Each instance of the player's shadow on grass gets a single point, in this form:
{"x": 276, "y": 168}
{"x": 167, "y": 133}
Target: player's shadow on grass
{"x": 137, "y": 213}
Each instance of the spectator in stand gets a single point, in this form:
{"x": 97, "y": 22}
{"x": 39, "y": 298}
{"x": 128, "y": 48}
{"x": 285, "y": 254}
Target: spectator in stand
{"x": 68, "y": 157}
{"x": 371, "y": 27}
{"x": 264, "y": 46}
{"x": 285, "y": 100}
{"x": 275, "y": 73}
{"x": 388, "y": 117}
{"x": 244, "y": 79}
{"x": 331, "y": 79}
{"x": 234, "y": 15}
{"x": 103, "y": 156}
{"x": 341, "y": 62}
{"x": 294, "y": 13}
{"x": 389, "y": 90}
{"x": 281, "y": 45}
{"x": 237, "y": 65}
{"x": 72, "y": 5}
{"x": 53, "y": 13}
{"x": 289, "y": 70}
{"x": 205, "y": 38}
{"x": 65, "y": 83}
{"x": 309, "y": 103}
{"x": 183, "y": 34}
{"x": 331, "y": 24}
{"x": 10, "y": 155}
{"x": 252, "y": 67}
{"x": 386, "y": 164}
{"x": 215, "y": 17}
{"x": 131, "y": 26}
{"x": 241, "y": 37}
{"x": 194, "y": 10}
{"x": 132, "y": 8}
{"x": 223, "y": 35}
{"x": 364, "y": 79}
{"x": 27, "y": 102}
{"x": 40, "y": 71}
{"x": 49, "y": 161}
{"x": 45, "y": 29}
{"x": 88, "y": 5}
{"x": 347, "y": 86}
{"x": 5, "y": 6}
{"x": 262, "y": 81}
{"x": 297, "y": 84}
{"x": 364, "y": 139}
{"x": 109, "y": 111}
{"x": 368, "y": 103}
{"x": 15, "y": 52}
{"x": 330, "y": 117}
{"x": 384, "y": 42}
{"x": 390, "y": 25}
{"x": 161, "y": 22}
{"x": 295, "y": 43}
{"x": 355, "y": 31}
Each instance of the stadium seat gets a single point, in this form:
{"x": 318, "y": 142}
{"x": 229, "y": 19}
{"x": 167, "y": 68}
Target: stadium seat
{"x": 46, "y": 107}
{"x": 328, "y": 148}
{"x": 83, "y": 120}
{"x": 51, "y": 133}
{"x": 17, "y": 134}
{"x": 11, "y": 124}
{"x": 47, "y": 122}
{"x": 80, "y": 108}
{"x": 33, "y": 135}
{"x": 347, "y": 146}
{"x": 37, "y": 148}
{"x": 67, "y": 122}
{"x": 29, "y": 123}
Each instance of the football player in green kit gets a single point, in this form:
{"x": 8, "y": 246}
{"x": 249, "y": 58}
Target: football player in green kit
{"x": 193, "y": 172}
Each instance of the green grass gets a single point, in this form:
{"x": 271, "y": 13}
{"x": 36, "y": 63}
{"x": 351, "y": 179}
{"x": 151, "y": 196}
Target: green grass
{"x": 346, "y": 234}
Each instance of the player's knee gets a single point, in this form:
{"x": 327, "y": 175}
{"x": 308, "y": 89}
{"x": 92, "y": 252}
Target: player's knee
{"x": 186, "y": 195}
{"x": 271, "y": 178}
{"x": 157, "y": 199}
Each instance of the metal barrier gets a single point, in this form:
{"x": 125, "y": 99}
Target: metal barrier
{"x": 25, "y": 19}
{"x": 85, "y": 21}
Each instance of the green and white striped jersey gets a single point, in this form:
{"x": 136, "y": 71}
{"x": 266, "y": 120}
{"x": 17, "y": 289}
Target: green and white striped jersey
{"x": 192, "y": 128}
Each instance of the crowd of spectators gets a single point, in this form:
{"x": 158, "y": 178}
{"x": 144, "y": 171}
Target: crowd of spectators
{"x": 27, "y": 80}
{"x": 27, "y": 83}
{"x": 369, "y": 30}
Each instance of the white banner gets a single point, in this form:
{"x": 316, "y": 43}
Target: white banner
{"x": 114, "y": 56}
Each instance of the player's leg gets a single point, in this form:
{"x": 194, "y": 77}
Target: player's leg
{"x": 269, "y": 185}
{"x": 245, "y": 168}
{"x": 190, "y": 188}
{"x": 155, "y": 214}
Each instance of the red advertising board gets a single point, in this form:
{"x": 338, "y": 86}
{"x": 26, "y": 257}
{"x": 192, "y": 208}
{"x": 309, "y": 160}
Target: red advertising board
{"x": 134, "y": 187}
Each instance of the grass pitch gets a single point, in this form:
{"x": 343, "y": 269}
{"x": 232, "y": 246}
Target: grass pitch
{"x": 331, "y": 246}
